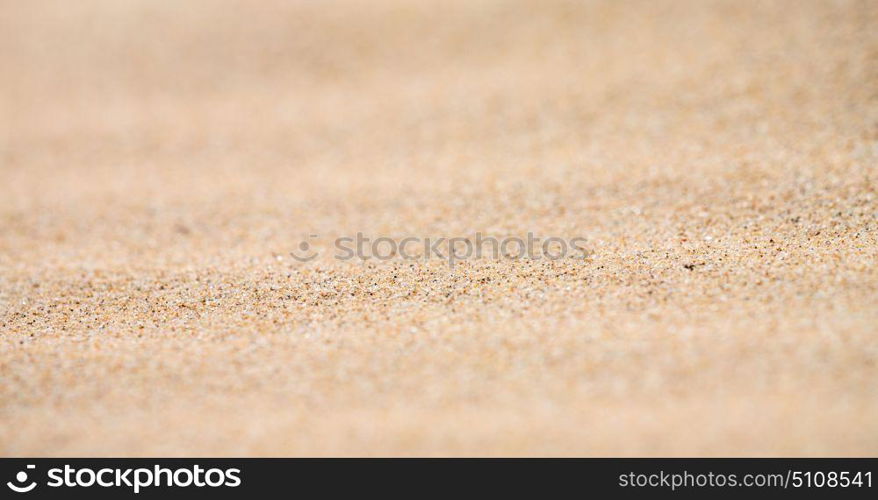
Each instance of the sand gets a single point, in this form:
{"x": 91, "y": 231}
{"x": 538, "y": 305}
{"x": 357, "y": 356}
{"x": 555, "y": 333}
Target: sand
{"x": 159, "y": 161}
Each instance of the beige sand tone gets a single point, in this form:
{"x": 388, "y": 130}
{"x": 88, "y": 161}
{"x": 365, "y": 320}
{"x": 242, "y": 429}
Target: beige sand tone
{"x": 161, "y": 159}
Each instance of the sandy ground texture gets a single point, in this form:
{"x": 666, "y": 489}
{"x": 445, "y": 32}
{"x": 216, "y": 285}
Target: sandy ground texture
{"x": 160, "y": 160}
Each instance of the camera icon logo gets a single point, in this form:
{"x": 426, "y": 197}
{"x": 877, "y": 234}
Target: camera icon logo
{"x": 304, "y": 253}
{"x": 21, "y": 478}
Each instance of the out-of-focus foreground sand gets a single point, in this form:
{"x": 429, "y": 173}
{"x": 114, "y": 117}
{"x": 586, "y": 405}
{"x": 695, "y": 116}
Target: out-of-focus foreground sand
{"x": 159, "y": 160}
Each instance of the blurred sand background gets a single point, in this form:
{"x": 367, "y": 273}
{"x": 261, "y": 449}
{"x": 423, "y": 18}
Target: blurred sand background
{"x": 159, "y": 160}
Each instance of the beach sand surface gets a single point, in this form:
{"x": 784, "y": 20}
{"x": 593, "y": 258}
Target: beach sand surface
{"x": 159, "y": 161}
